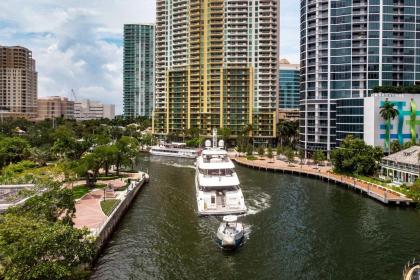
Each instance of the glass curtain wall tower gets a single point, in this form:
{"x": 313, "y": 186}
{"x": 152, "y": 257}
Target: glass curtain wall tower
{"x": 348, "y": 48}
{"x": 289, "y": 86}
{"x": 139, "y": 70}
{"x": 216, "y": 66}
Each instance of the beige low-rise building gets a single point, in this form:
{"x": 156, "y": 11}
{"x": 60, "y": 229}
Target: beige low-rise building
{"x": 402, "y": 167}
{"x": 92, "y": 110}
{"x": 53, "y": 107}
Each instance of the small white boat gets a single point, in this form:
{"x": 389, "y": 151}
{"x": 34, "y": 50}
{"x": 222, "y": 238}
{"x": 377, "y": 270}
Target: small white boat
{"x": 174, "y": 150}
{"x": 230, "y": 233}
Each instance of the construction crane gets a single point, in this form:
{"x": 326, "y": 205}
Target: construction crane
{"x": 73, "y": 94}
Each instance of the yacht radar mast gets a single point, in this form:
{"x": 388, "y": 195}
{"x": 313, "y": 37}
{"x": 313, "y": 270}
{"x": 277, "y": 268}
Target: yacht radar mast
{"x": 214, "y": 137}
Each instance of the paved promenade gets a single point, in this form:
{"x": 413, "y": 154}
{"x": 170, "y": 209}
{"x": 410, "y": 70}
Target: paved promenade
{"x": 374, "y": 191}
{"x": 89, "y": 212}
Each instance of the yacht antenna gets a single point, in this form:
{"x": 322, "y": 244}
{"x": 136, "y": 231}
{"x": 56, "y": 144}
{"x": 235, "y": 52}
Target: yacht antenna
{"x": 214, "y": 137}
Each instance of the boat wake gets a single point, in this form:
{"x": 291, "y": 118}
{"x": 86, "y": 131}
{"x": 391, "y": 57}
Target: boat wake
{"x": 177, "y": 165}
{"x": 258, "y": 203}
{"x": 172, "y": 163}
{"x": 247, "y": 231}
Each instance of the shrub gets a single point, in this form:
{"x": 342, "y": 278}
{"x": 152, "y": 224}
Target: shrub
{"x": 261, "y": 151}
{"x": 249, "y": 150}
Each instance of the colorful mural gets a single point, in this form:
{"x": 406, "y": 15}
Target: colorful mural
{"x": 412, "y": 123}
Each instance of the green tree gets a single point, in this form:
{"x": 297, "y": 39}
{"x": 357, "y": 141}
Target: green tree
{"x": 65, "y": 143}
{"x": 290, "y": 154}
{"x": 195, "y": 142}
{"x": 249, "y": 150}
{"x": 270, "y": 153}
{"x": 407, "y": 145}
{"x": 193, "y": 132}
{"x": 388, "y": 112}
{"x": 355, "y": 157}
{"x": 261, "y": 151}
{"x": 318, "y": 156}
{"x": 37, "y": 249}
{"x": 287, "y": 132}
{"x": 39, "y": 155}
{"x": 148, "y": 139}
{"x": 245, "y": 134}
{"x": 225, "y": 134}
{"x": 395, "y": 146}
{"x": 301, "y": 154}
{"x": 128, "y": 149}
{"x": 108, "y": 155}
{"x": 279, "y": 150}
{"x": 90, "y": 164}
{"x": 55, "y": 204}
{"x": 13, "y": 149}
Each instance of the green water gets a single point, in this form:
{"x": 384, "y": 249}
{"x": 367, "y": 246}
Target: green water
{"x": 297, "y": 228}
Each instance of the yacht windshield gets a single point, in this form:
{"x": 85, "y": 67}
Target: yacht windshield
{"x": 217, "y": 172}
{"x": 220, "y": 189}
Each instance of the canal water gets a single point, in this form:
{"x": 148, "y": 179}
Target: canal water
{"x": 297, "y": 228}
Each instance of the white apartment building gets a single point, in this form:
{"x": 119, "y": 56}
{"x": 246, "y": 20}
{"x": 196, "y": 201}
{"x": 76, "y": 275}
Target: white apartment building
{"x": 92, "y": 110}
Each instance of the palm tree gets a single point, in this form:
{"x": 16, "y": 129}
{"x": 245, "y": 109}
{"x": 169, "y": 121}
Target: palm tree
{"x": 388, "y": 113}
{"x": 285, "y": 130}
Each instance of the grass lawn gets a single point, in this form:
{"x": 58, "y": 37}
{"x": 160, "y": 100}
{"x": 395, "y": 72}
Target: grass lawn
{"x": 109, "y": 205}
{"x": 372, "y": 180}
{"x": 251, "y": 158}
{"x": 108, "y": 178}
{"x": 409, "y": 192}
{"x": 80, "y": 191}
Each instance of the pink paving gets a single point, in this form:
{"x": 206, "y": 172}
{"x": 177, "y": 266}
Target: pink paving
{"x": 89, "y": 212}
{"x": 373, "y": 190}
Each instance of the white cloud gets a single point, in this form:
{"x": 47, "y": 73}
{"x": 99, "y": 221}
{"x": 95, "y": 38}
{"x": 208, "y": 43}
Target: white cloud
{"x": 78, "y": 44}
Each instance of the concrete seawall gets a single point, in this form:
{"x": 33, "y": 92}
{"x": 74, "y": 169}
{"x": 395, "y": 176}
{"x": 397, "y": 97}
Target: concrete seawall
{"x": 106, "y": 231}
{"x": 373, "y": 191}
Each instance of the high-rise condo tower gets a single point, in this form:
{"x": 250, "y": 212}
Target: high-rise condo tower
{"x": 18, "y": 83}
{"x": 139, "y": 69}
{"x": 348, "y": 48}
{"x": 217, "y": 66}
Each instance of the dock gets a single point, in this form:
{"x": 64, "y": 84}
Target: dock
{"x": 374, "y": 191}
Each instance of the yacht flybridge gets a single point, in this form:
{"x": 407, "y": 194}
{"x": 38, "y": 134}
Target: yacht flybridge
{"x": 217, "y": 184}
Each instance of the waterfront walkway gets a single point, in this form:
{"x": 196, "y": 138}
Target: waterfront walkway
{"x": 89, "y": 212}
{"x": 374, "y": 191}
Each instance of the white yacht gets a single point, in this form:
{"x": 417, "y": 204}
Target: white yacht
{"x": 174, "y": 150}
{"x": 217, "y": 185}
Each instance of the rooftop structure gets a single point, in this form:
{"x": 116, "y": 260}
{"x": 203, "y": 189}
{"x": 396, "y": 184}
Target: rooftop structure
{"x": 402, "y": 167}
{"x": 9, "y": 195}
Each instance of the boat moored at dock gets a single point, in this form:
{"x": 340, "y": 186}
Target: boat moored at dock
{"x": 174, "y": 150}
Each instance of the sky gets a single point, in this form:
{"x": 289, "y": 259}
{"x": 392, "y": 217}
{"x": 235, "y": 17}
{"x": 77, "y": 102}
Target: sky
{"x": 77, "y": 44}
